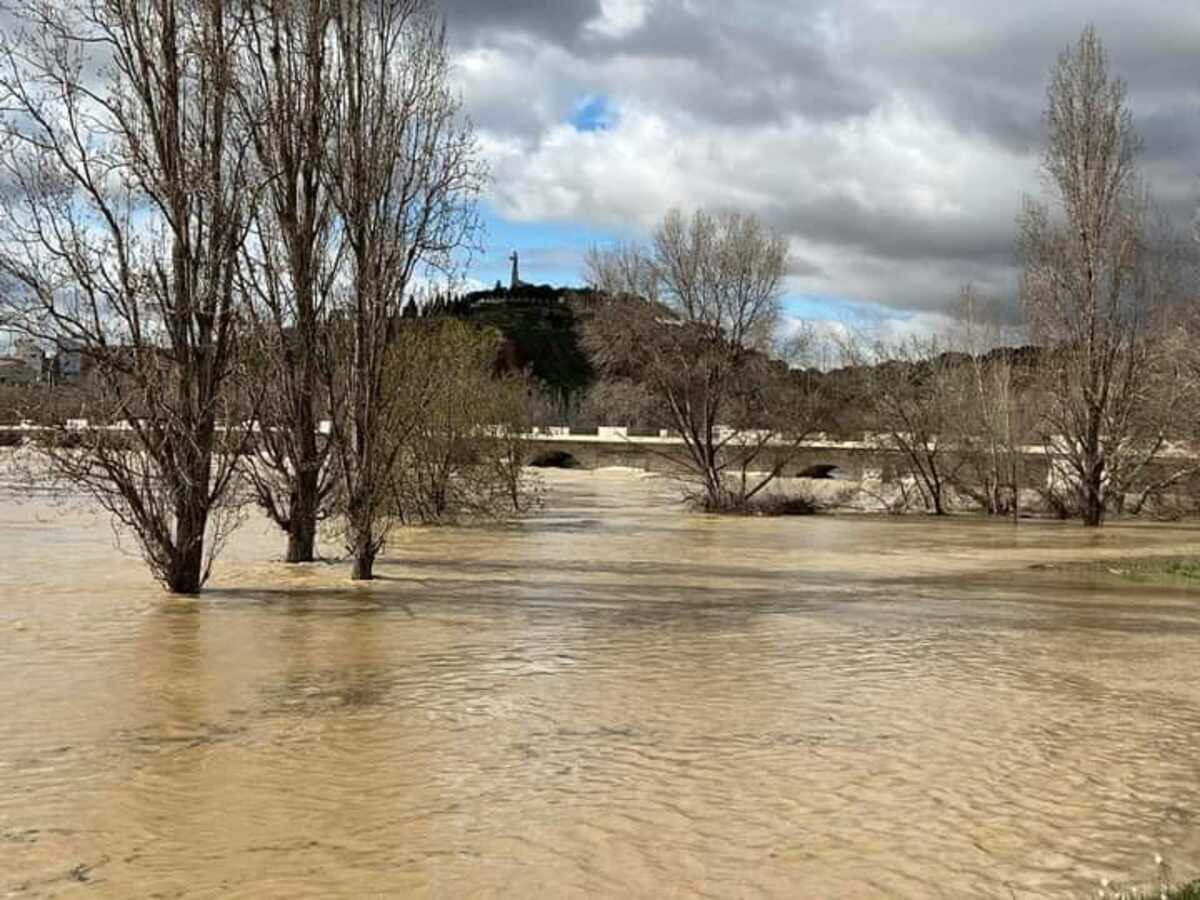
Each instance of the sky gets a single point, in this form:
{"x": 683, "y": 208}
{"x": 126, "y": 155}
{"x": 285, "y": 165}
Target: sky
{"x": 891, "y": 141}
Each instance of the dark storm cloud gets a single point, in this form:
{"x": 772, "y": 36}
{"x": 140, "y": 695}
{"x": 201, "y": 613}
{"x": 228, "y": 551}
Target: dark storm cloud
{"x": 760, "y": 61}
{"x": 742, "y": 71}
{"x": 993, "y": 78}
{"x": 1172, "y": 133}
{"x": 800, "y": 267}
{"x": 481, "y": 21}
{"x": 896, "y": 235}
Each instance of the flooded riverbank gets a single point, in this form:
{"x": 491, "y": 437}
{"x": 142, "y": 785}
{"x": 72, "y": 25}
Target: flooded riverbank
{"x": 613, "y": 698}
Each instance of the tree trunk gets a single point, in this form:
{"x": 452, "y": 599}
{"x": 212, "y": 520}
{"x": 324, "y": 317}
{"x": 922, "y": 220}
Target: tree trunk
{"x": 364, "y": 565}
{"x": 302, "y": 539}
{"x": 933, "y": 485}
{"x": 306, "y": 501}
{"x": 1092, "y": 506}
{"x": 1016, "y": 490}
{"x": 302, "y": 526}
{"x": 716, "y": 494}
{"x": 935, "y": 494}
{"x": 1092, "y": 513}
{"x": 187, "y": 562}
{"x": 712, "y": 475}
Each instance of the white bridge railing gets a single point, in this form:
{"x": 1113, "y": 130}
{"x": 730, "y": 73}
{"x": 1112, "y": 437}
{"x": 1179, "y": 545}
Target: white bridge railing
{"x": 614, "y": 434}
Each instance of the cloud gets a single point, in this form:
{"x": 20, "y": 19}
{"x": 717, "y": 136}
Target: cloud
{"x": 618, "y": 18}
{"x": 476, "y": 22}
{"x": 892, "y": 141}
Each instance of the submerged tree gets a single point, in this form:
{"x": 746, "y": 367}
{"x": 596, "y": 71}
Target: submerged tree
{"x": 995, "y": 408}
{"x": 287, "y": 89}
{"x": 120, "y": 228}
{"x": 692, "y": 320}
{"x": 1093, "y": 287}
{"x": 910, "y": 391}
{"x": 464, "y": 456}
{"x": 404, "y": 173}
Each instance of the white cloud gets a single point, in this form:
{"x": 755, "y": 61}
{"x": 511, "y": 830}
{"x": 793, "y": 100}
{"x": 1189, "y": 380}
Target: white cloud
{"x": 618, "y": 17}
{"x": 892, "y": 140}
{"x": 875, "y": 206}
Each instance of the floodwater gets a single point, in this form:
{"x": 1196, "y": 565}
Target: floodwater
{"x": 612, "y": 699}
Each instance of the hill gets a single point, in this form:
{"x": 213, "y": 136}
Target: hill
{"x": 540, "y": 325}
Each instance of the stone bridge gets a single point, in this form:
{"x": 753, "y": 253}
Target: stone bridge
{"x": 611, "y": 446}
{"x": 867, "y": 459}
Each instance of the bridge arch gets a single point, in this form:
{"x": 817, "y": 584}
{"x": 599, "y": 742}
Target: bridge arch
{"x": 554, "y": 459}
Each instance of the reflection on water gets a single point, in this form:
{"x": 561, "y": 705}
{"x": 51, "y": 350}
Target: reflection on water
{"x": 611, "y": 699}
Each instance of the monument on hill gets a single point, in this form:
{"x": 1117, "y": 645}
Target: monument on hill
{"x": 516, "y": 273}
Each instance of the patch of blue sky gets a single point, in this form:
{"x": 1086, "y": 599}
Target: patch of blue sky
{"x": 832, "y": 308}
{"x": 550, "y": 252}
{"x": 594, "y": 112}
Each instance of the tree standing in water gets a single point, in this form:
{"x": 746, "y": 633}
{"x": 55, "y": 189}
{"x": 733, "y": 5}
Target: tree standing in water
{"x": 691, "y": 319}
{"x": 404, "y": 174}
{"x": 1093, "y": 286}
{"x": 287, "y": 87}
{"x": 909, "y": 391}
{"x": 120, "y": 228}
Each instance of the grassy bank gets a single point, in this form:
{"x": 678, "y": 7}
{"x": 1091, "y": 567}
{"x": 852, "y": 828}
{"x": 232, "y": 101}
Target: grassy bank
{"x": 1175, "y": 570}
{"x": 1190, "y": 891}
{"x": 1178, "y": 568}
{"x": 1166, "y": 888}
{"x": 1185, "y": 892}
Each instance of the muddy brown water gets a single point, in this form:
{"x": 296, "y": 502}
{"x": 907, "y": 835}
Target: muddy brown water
{"x": 613, "y": 698}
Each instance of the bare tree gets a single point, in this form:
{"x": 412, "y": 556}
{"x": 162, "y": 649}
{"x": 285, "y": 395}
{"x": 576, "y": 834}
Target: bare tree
{"x": 692, "y": 319}
{"x": 404, "y": 174}
{"x": 911, "y": 395}
{"x": 1092, "y": 287}
{"x": 464, "y": 456}
{"x": 119, "y": 235}
{"x": 996, "y": 408}
{"x": 624, "y": 269}
{"x": 617, "y": 401}
{"x": 287, "y": 88}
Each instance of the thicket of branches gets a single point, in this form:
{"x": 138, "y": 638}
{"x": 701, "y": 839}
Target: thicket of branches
{"x": 223, "y": 208}
{"x": 465, "y": 456}
{"x": 127, "y": 201}
{"x": 288, "y": 86}
{"x": 691, "y": 319}
{"x": 1100, "y": 286}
